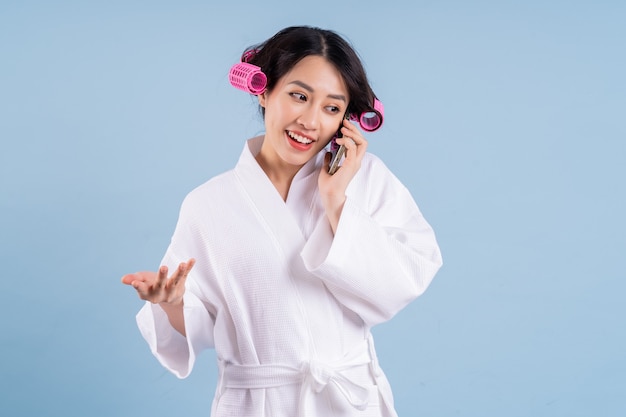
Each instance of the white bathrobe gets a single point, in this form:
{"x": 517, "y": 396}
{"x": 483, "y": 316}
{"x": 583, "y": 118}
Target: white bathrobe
{"x": 287, "y": 305}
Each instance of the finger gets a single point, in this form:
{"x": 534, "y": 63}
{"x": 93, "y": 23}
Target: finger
{"x": 347, "y": 123}
{"x": 137, "y": 276}
{"x": 358, "y": 142}
{"x": 142, "y": 289}
{"x": 361, "y": 143}
{"x": 349, "y": 144}
{"x": 161, "y": 277}
{"x": 354, "y": 134}
{"x": 176, "y": 276}
{"x": 188, "y": 266}
{"x": 190, "y": 263}
{"x": 182, "y": 272}
{"x": 350, "y": 129}
{"x": 128, "y": 279}
{"x": 346, "y": 141}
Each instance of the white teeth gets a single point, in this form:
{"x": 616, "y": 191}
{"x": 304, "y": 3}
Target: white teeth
{"x": 299, "y": 138}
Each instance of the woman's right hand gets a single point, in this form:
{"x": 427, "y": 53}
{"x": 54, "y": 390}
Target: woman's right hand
{"x": 157, "y": 288}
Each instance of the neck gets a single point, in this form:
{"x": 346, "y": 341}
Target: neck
{"x": 280, "y": 173}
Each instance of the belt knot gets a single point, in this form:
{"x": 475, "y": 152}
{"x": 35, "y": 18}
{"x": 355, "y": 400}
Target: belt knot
{"x": 318, "y": 376}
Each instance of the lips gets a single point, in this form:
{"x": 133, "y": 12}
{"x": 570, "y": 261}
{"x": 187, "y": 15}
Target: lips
{"x": 299, "y": 138}
{"x": 299, "y": 141}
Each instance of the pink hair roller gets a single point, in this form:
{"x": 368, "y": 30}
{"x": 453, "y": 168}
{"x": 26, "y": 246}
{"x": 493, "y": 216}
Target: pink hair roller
{"x": 247, "y": 77}
{"x": 249, "y": 55}
{"x": 372, "y": 120}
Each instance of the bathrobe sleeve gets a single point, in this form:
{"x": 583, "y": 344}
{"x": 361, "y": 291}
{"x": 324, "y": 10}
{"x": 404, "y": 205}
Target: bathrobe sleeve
{"x": 383, "y": 255}
{"x": 174, "y": 351}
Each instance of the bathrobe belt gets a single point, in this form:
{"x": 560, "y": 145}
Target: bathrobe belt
{"x": 313, "y": 375}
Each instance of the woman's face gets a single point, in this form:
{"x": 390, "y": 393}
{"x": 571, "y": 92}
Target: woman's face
{"x": 303, "y": 112}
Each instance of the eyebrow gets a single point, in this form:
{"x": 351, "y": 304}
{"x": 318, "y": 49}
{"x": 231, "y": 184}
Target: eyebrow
{"x": 310, "y": 90}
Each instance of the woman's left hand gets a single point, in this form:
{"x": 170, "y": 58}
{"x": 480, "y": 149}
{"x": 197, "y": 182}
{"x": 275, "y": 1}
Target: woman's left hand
{"x": 333, "y": 187}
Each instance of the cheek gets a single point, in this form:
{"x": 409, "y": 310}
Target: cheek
{"x": 271, "y": 117}
{"x": 325, "y": 141}
{"x": 278, "y": 115}
{"x": 331, "y": 131}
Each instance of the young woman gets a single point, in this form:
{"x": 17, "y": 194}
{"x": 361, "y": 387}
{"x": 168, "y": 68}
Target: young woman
{"x": 284, "y": 268}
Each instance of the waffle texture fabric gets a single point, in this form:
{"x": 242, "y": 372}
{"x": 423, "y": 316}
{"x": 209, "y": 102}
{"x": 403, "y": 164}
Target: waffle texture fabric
{"x": 288, "y": 305}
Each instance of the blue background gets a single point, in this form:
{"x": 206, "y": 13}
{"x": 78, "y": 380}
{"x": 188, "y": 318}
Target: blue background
{"x": 505, "y": 119}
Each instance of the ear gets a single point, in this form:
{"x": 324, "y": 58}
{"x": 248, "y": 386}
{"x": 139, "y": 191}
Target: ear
{"x": 262, "y": 99}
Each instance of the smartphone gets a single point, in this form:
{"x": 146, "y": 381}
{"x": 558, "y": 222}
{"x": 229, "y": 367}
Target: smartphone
{"x": 336, "y": 151}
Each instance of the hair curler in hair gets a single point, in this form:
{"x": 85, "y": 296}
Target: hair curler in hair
{"x": 248, "y": 78}
{"x": 248, "y": 55}
{"x": 372, "y": 120}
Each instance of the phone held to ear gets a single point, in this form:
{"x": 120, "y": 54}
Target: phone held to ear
{"x": 336, "y": 151}
{"x": 336, "y": 156}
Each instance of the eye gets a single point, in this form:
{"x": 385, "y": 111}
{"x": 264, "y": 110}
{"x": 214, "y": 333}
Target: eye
{"x": 333, "y": 109}
{"x": 298, "y": 96}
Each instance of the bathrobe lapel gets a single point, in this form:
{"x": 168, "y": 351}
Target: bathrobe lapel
{"x": 289, "y": 224}
{"x": 281, "y": 218}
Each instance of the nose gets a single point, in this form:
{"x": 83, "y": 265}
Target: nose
{"x": 309, "y": 118}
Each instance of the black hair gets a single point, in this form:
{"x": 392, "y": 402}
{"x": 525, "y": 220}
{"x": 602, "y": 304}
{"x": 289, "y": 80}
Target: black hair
{"x": 280, "y": 53}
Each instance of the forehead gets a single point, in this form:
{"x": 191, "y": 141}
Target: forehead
{"x": 318, "y": 73}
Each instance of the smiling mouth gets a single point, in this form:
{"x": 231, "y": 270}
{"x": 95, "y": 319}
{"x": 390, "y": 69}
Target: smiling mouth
{"x": 300, "y": 139}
